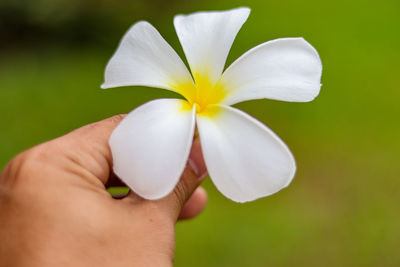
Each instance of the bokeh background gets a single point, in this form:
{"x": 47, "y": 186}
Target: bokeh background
{"x": 342, "y": 209}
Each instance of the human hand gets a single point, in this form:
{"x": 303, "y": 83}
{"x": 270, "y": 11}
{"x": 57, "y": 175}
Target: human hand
{"x": 55, "y": 210}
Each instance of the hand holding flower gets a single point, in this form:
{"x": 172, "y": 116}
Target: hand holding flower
{"x": 55, "y": 210}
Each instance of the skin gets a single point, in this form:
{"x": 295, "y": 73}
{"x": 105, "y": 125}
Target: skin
{"x": 55, "y": 210}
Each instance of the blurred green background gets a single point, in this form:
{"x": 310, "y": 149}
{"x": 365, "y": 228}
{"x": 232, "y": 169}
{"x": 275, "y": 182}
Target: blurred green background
{"x": 342, "y": 209}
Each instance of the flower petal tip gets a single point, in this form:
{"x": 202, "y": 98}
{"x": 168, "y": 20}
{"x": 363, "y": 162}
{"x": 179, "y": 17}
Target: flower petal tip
{"x": 245, "y": 9}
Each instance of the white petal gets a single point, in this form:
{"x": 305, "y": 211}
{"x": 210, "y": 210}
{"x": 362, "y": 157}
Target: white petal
{"x": 207, "y": 37}
{"x": 244, "y": 158}
{"x": 144, "y": 58}
{"x": 151, "y": 145}
{"x": 286, "y": 69}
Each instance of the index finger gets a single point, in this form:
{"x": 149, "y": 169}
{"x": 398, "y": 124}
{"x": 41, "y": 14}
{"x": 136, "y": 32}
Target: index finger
{"x": 88, "y": 147}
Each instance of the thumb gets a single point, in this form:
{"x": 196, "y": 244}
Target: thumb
{"x": 95, "y": 156}
{"x": 192, "y": 176}
{"x": 84, "y": 151}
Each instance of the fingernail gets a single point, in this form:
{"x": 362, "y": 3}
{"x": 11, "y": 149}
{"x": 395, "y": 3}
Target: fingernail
{"x": 196, "y": 160}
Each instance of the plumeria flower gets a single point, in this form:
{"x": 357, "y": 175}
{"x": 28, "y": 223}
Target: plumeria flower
{"x": 244, "y": 158}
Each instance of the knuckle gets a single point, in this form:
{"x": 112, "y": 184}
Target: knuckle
{"x": 185, "y": 187}
{"x": 180, "y": 193}
{"x": 20, "y": 162}
{"x": 13, "y": 168}
{"x": 24, "y": 164}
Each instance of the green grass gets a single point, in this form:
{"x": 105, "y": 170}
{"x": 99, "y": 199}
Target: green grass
{"x": 342, "y": 207}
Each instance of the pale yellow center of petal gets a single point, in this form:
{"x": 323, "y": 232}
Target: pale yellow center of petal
{"x": 202, "y": 94}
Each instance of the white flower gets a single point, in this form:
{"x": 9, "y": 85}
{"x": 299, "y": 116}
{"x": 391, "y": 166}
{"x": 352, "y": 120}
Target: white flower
{"x": 244, "y": 158}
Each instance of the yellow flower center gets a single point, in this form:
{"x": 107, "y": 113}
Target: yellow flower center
{"x": 202, "y": 93}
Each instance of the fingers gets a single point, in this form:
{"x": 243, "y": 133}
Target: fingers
{"x": 88, "y": 147}
{"x": 192, "y": 177}
{"x": 196, "y": 160}
{"x": 196, "y": 204}
{"x": 82, "y": 153}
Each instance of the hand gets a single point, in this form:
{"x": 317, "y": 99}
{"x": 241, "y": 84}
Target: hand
{"x": 55, "y": 210}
